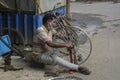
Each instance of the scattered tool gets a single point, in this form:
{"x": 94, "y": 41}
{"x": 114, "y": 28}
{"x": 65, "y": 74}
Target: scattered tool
{"x": 66, "y": 78}
{"x": 53, "y": 74}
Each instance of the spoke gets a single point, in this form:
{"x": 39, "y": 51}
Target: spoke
{"x": 65, "y": 53}
{"x": 85, "y": 50}
{"x": 80, "y": 40}
{"x": 84, "y": 47}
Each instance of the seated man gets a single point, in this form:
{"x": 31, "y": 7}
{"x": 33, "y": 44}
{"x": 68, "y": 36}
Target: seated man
{"x": 43, "y": 44}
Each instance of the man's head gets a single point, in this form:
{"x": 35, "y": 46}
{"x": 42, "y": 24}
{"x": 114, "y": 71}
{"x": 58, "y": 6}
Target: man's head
{"x": 48, "y": 18}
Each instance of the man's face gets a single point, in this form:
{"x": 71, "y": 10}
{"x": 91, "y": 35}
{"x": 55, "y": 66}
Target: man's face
{"x": 53, "y": 22}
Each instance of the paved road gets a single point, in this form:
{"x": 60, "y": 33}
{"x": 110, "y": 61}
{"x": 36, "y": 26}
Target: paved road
{"x": 104, "y": 19}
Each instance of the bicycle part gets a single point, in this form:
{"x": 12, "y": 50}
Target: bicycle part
{"x": 70, "y": 36}
{"x": 78, "y": 37}
{"x": 66, "y": 78}
{"x": 81, "y": 41}
{"x": 16, "y": 39}
{"x": 84, "y": 45}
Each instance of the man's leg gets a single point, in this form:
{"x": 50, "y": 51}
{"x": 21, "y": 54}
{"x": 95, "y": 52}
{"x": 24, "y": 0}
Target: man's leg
{"x": 53, "y": 59}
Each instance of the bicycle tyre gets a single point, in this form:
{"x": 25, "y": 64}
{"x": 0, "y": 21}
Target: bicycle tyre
{"x": 85, "y": 44}
{"x": 77, "y": 45}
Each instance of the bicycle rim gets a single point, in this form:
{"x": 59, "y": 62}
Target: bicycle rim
{"x": 71, "y": 37}
{"x": 84, "y": 45}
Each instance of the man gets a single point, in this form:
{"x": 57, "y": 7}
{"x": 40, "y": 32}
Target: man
{"x": 43, "y": 45}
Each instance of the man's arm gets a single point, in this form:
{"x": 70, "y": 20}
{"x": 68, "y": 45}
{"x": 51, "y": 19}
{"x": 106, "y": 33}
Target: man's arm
{"x": 59, "y": 35}
{"x": 58, "y": 45}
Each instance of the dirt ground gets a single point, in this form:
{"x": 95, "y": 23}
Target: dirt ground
{"x": 104, "y": 61}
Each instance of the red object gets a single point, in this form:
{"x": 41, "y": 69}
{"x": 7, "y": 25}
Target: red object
{"x": 71, "y": 72}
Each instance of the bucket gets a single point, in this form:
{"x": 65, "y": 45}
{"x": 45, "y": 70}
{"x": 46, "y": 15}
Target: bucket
{"x": 3, "y": 48}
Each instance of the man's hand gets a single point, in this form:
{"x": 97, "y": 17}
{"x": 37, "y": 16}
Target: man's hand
{"x": 69, "y": 45}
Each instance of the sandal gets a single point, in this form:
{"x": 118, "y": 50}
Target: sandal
{"x": 84, "y": 70}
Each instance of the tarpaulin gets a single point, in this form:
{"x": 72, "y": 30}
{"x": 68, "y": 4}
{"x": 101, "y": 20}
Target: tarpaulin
{"x": 26, "y": 6}
{"x": 29, "y": 6}
{"x": 7, "y": 5}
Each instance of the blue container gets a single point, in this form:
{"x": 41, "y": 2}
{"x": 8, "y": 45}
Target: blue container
{"x": 3, "y": 48}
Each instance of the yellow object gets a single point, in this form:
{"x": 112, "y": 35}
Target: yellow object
{"x": 39, "y": 6}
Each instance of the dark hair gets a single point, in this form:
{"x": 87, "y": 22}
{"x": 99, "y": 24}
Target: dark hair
{"x": 47, "y": 17}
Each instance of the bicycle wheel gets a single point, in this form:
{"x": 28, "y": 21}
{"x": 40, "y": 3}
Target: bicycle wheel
{"x": 16, "y": 38}
{"x": 84, "y": 45}
{"x": 81, "y": 41}
{"x": 70, "y": 36}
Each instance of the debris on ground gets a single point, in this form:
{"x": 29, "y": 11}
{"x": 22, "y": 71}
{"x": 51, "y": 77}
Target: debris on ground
{"x": 66, "y": 78}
